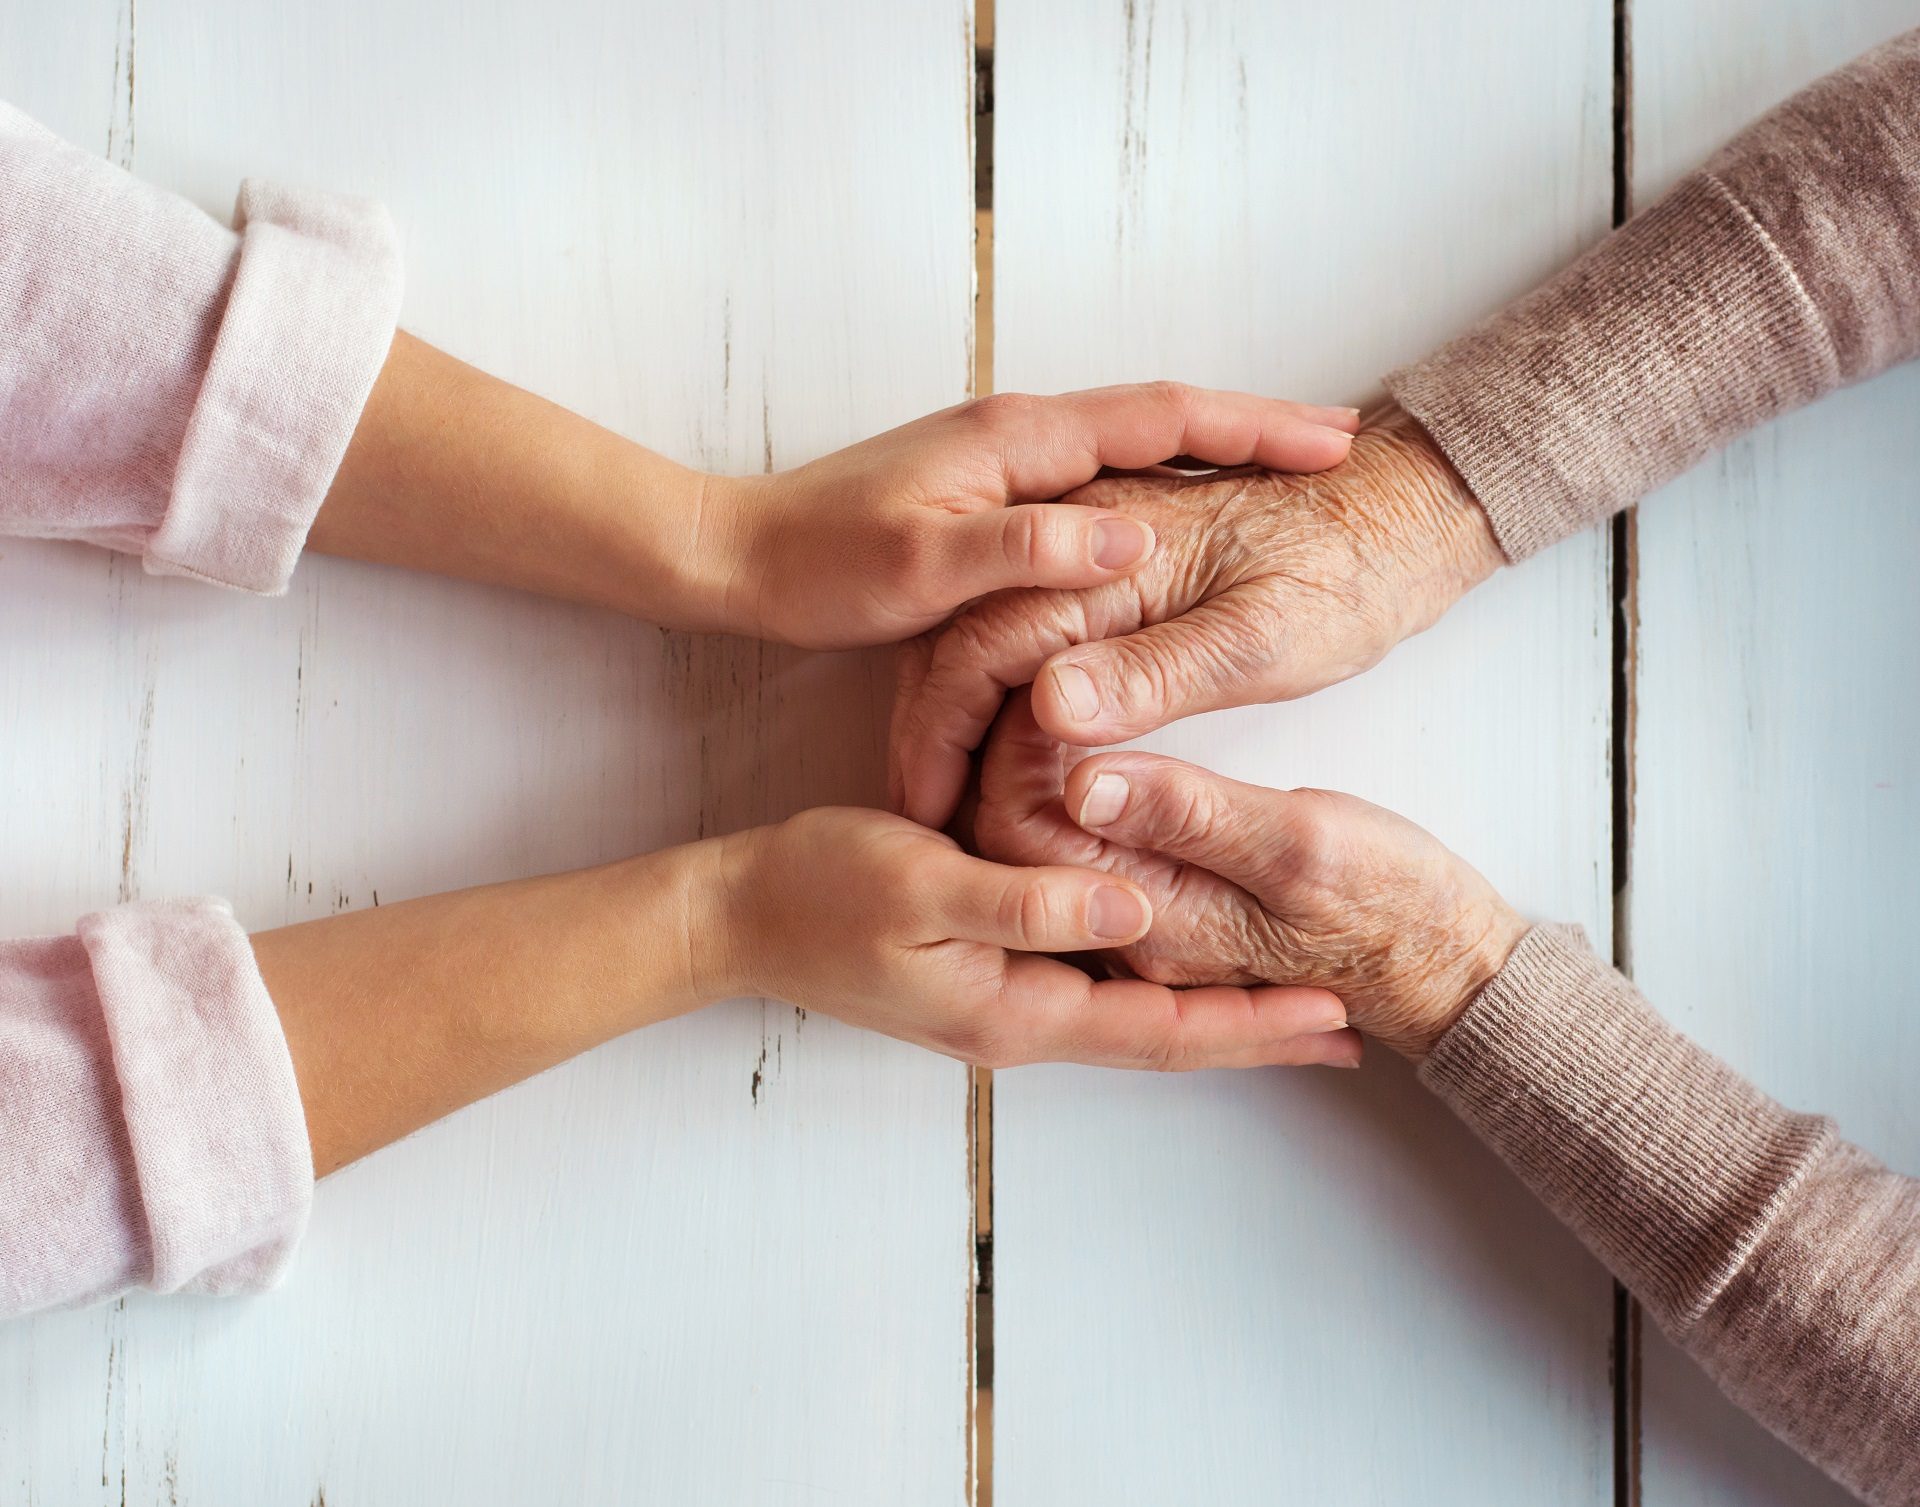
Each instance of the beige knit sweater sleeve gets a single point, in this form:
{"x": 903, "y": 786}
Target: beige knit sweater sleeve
{"x": 1787, "y": 266}
{"x": 1784, "y": 1260}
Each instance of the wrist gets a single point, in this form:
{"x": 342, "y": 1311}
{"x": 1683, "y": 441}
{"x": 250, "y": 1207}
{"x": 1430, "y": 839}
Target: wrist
{"x": 675, "y": 543}
{"x": 1441, "y": 536}
{"x": 741, "y": 541}
{"x": 1484, "y": 952}
{"x": 721, "y": 920}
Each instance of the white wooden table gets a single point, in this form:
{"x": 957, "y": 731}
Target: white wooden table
{"x": 731, "y": 1260}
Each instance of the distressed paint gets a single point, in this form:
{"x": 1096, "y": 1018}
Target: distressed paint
{"x": 1778, "y": 777}
{"x": 724, "y": 1261}
{"x": 1310, "y": 1286}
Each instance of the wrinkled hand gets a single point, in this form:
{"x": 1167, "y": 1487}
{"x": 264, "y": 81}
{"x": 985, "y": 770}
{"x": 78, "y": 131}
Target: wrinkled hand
{"x": 884, "y": 539}
{"x": 1247, "y": 884}
{"x": 1260, "y": 588}
{"x": 867, "y": 917}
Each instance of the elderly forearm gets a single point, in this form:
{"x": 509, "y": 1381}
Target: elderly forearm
{"x": 398, "y": 1015}
{"x": 1787, "y": 266}
{"x": 1784, "y": 1260}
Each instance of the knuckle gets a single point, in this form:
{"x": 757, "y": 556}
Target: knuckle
{"x": 1175, "y": 395}
{"x": 1001, "y": 408}
{"x": 1309, "y": 822}
{"x": 1188, "y": 808}
{"x": 1026, "y": 912}
{"x": 1037, "y": 540}
{"x": 972, "y": 638}
{"x": 1166, "y": 1050}
{"x": 1146, "y": 680}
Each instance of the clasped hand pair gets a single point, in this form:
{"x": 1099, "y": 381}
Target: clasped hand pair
{"x": 1235, "y": 926}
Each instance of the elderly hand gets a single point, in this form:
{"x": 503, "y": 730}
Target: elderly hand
{"x": 886, "y": 925}
{"x": 884, "y": 539}
{"x": 1260, "y": 588}
{"x": 1248, "y": 884}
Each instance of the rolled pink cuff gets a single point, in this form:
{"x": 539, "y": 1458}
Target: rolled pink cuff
{"x": 308, "y": 324}
{"x": 170, "y": 387}
{"x": 151, "y": 1130}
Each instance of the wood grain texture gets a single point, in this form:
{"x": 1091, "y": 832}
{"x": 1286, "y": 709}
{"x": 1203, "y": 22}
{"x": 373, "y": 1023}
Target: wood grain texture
{"x": 726, "y": 1261}
{"x": 1778, "y": 771}
{"x": 1310, "y": 1287}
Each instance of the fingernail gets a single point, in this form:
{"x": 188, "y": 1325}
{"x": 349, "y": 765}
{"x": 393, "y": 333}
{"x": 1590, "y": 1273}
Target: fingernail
{"x": 1337, "y": 1023}
{"x": 1339, "y": 434}
{"x": 1119, "y": 542}
{"x": 1077, "y": 690}
{"x": 1344, "y": 1054}
{"x": 1106, "y": 799}
{"x": 1114, "y": 912}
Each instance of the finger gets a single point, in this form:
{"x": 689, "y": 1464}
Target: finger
{"x": 1051, "y": 909}
{"x": 1059, "y": 1014}
{"x": 971, "y": 667}
{"x": 911, "y": 662}
{"x": 1021, "y": 768}
{"x": 1051, "y": 445}
{"x": 1220, "y": 654}
{"x": 1147, "y": 800}
{"x": 1037, "y": 544}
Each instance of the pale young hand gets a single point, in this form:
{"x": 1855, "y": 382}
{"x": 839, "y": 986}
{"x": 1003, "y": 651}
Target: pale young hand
{"x": 867, "y": 917}
{"x": 886, "y": 538}
{"x": 1260, "y": 588}
{"x": 1302, "y": 886}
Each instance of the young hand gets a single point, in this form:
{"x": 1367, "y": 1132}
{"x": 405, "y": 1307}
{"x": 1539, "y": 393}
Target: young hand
{"x": 886, "y": 925}
{"x": 888, "y": 537}
{"x": 1247, "y": 884}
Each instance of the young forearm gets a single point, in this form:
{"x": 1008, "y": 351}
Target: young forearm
{"x": 399, "y": 1015}
{"x": 459, "y": 473}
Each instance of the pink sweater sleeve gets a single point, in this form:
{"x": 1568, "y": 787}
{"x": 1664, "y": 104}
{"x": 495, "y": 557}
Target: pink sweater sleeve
{"x": 171, "y": 387}
{"x": 151, "y": 1132}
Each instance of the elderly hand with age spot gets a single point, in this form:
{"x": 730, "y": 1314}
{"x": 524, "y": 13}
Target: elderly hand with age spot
{"x": 1248, "y": 885}
{"x": 1261, "y": 587}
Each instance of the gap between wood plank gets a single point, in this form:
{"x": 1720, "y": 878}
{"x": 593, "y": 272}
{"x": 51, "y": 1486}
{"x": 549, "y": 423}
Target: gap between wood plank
{"x": 1623, "y": 538}
{"x": 980, "y": 1099}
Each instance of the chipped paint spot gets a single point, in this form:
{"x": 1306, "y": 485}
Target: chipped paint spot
{"x": 1136, "y": 87}
{"x": 120, "y": 125}
{"x": 133, "y": 796}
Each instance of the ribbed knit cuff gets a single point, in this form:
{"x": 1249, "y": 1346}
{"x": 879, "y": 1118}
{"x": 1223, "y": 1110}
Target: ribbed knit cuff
{"x": 1666, "y": 1162}
{"x": 307, "y": 327}
{"x": 1672, "y": 337}
{"x": 208, "y": 1092}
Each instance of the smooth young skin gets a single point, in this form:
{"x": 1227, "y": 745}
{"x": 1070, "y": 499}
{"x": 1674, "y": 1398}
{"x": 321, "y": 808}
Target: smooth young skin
{"x": 454, "y": 471}
{"x": 1263, "y": 587}
{"x": 399, "y": 1015}
{"x": 1307, "y": 886}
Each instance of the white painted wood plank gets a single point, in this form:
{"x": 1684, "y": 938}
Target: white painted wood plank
{"x": 727, "y": 1260}
{"x": 1260, "y": 1287}
{"x": 1778, "y": 765}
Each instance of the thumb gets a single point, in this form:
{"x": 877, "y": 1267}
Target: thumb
{"x": 1121, "y": 688}
{"x": 1183, "y": 811}
{"x": 1055, "y": 544}
{"x": 1050, "y": 909}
